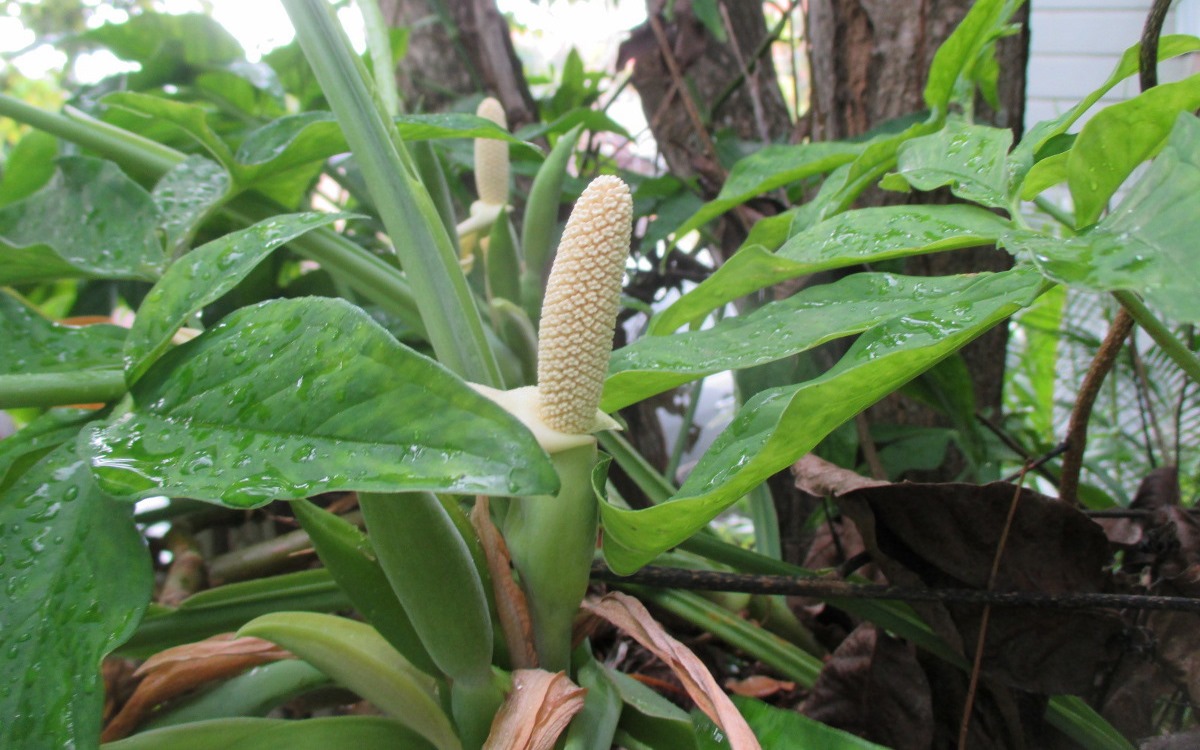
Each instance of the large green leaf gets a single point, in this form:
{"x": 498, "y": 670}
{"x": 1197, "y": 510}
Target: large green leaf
{"x": 778, "y": 729}
{"x": 35, "y": 344}
{"x": 955, "y": 61}
{"x": 291, "y": 398}
{"x": 1119, "y": 138}
{"x": 969, "y": 158}
{"x": 186, "y": 195}
{"x": 862, "y": 236}
{"x": 357, "y": 656}
{"x": 28, "y": 166}
{"x": 76, "y": 578}
{"x": 167, "y": 45}
{"x": 809, "y": 318}
{"x": 91, "y": 221}
{"x": 358, "y": 732}
{"x": 1147, "y": 245}
{"x": 204, "y": 276}
{"x": 1022, "y": 157}
{"x": 772, "y": 167}
{"x": 45, "y": 433}
{"x": 779, "y": 425}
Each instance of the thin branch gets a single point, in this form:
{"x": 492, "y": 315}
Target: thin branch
{"x": 1076, "y": 440}
{"x": 1148, "y": 60}
{"x": 710, "y": 580}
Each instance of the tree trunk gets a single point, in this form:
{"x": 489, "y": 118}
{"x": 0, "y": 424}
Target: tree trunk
{"x": 869, "y": 61}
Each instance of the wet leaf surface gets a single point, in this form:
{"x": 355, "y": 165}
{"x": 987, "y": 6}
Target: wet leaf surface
{"x": 34, "y": 344}
{"x": 296, "y": 397}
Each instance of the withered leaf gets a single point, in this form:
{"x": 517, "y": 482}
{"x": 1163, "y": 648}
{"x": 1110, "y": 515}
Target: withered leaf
{"x": 872, "y": 686}
{"x": 539, "y": 707}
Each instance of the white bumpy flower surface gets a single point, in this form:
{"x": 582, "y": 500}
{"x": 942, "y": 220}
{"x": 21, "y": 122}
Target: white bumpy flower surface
{"x": 491, "y": 158}
{"x": 580, "y": 308}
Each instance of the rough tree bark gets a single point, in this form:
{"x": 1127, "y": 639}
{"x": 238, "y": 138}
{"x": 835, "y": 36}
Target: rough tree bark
{"x": 869, "y": 60}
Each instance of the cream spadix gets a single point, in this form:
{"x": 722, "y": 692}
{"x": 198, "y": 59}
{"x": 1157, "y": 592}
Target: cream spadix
{"x": 578, "y": 317}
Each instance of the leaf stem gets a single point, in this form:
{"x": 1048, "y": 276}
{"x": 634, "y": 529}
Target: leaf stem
{"x": 1172, "y": 346}
{"x": 61, "y": 388}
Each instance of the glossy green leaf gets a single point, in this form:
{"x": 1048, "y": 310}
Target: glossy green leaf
{"x": 252, "y": 89}
{"x": 91, "y": 221}
{"x": 76, "y": 578}
{"x": 291, "y": 398}
{"x": 651, "y": 718}
{"x": 28, "y": 166}
{"x": 186, "y": 195}
{"x": 34, "y": 344}
{"x": 1022, "y": 157}
{"x": 33, "y": 441}
{"x": 779, "y": 425}
{"x": 771, "y": 167}
{"x": 190, "y": 118}
{"x": 358, "y": 732}
{"x": 594, "y": 726}
{"x": 351, "y": 560}
{"x": 1147, "y": 245}
{"x": 356, "y": 656}
{"x": 1072, "y": 716}
{"x": 225, "y": 608}
{"x": 1119, "y": 138}
{"x": 315, "y": 136}
{"x": 779, "y": 729}
{"x": 1045, "y": 174}
{"x": 809, "y": 318}
{"x": 970, "y": 159}
{"x": 862, "y": 236}
{"x": 204, "y": 276}
{"x": 253, "y": 693}
{"x": 957, "y": 58}
{"x": 539, "y": 227}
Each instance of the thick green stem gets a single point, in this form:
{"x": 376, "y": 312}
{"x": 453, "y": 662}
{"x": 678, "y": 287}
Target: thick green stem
{"x": 61, "y": 388}
{"x": 552, "y": 541}
{"x": 425, "y": 250}
{"x": 1173, "y": 347}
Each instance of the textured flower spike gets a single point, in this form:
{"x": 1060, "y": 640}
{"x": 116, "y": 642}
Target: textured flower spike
{"x": 491, "y": 158}
{"x": 580, "y": 308}
{"x": 578, "y": 316}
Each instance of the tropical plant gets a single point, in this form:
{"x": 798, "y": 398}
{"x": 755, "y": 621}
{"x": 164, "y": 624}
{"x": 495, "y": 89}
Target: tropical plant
{"x": 385, "y": 348}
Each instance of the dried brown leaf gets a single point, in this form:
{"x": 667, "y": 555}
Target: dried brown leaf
{"x": 628, "y": 615}
{"x": 178, "y": 670}
{"x": 759, "y": 686}
{"x": 538, "y": 708}
{"x": 820, "y": 478}
{"x": 947, "y": 535}
{"x": 512, "y": 608}
{"x": 873, "y": 686}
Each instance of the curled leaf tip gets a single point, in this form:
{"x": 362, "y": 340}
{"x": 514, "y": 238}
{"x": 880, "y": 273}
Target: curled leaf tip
{"x": 491, "y": 158}
{"x": 580, "y": 308}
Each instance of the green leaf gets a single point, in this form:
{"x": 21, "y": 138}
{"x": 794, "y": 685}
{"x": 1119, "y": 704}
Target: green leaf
{"x": 1119, "y": 138}
{"x": 290, "y": 398}
{"x": 956, "y": 59}
{"x": 769, "y": 168}
{"x": 36, "y": 345}
{"x": 45, "y": 433}
{"x": 779, "y": 425}
{"x": 315, "y": 136}
{"x": 1147, "y": 245}
{"x": 358, "y": 732}
{"x": 76, "y": 579}
{"x": 649, "y": 717}
{"x": 254, "y": 693}
{"x": 356, "y": 656}
{"x": 191, "y": 118}
{"x": 91, "y": 221}
{"x": 968, "y": 158}
{"x": 351, "y": 560}
{"x": 1045, "y": 174}
{"x": 185, "y": 196}
{"x": 809, "y": 318}
{"x": 204, "y": 276}
{"x": 862, "y": 236}
{"x": 1022, "y": 157}
{"x": 167, "y": 45}
{"x": 28, "y": 166}
{"x": 778, "y": 729}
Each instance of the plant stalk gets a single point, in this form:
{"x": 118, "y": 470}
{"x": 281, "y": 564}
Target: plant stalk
{"x": 61, "y": 388}
{"x": 1173, "y": 347}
